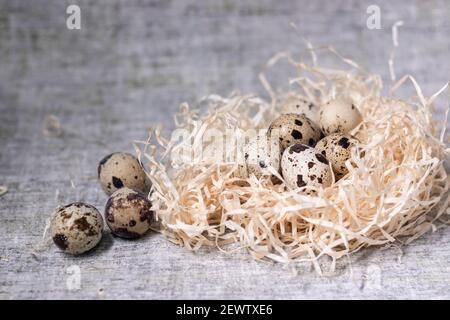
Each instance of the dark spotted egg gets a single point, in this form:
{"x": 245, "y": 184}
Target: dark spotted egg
{"x": 128, "y": 213}
{"x": 337, "y": 148}
{"x": 119, "y": 170}
{"x": 302, "y": 165}
{"x": 76, "y": 227}
{"x": 291, "y": 128}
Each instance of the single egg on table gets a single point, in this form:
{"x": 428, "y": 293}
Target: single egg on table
{"x": 299, "y": 105}
{"x": 302, "y": 165}
{"x": 337, "y": 149}
{"x": 76, "y": 228}
{"x": 260, "y": 154}
{"x": 292, "y": 128}
{"x": 119, "y": 170}
{"x": 339, "y": 115}
{"x": 128, "y": 213}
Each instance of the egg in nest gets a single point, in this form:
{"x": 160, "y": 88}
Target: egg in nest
{"x": 299, "y": 105}
{"x": 339, "y": 115}
{"x": 302, "y": 165}
{"x": 337, "y": 149}
{"x": 262, "y": 155}
{"x": 292, "y": 128}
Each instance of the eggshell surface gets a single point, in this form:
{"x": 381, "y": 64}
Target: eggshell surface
{"x": 76, "y": 228}
{"x": 303, "y": 165}
{"x": 128, "y": 213}
{"x": 292, "y": 128}
{"x": 337, "y": 149}
{"x": 339, "y": 116}
{"x": 119, "y": 170}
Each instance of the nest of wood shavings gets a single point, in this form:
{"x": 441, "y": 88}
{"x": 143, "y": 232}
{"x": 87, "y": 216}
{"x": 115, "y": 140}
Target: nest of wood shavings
{"x": 396, "y": 188}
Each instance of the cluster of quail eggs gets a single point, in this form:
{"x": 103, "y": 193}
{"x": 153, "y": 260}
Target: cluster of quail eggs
{"x": 78, "y": 227}
{"x": 307, "y": 144}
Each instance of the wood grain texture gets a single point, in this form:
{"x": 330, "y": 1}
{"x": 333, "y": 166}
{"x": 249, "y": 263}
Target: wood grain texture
{"x": 128, "y": 68}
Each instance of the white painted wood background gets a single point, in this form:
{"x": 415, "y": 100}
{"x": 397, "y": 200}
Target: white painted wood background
{"x": 128, "y": 68}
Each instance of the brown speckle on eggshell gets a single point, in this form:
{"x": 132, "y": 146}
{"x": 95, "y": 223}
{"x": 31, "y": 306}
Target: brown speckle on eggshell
{"x": 302, "y": 165}
{"x": 119, "y": 170}
{"x": 128, "y": 213}
{"x": 261, "y": 153}
{"x": 291, "y": 128}
{"x": 339, "y": 115}
{"x": 76, "y": 228}
{"x": 299, "y": 105}
{"x": 337, "y": 149}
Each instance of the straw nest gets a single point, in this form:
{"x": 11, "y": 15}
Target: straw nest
{"x": 396, "y": 175}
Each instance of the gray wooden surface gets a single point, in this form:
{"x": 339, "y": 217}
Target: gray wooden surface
{"x": 128, "y": 68}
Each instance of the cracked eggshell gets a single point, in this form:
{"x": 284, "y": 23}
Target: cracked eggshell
{"x": 293, "y": 128}
{"x": 260, "y": 153}
{"x": 303, "y": 165}
{"x": 76, "y": 228}
{"x": 337, "y": 149}
{"x": 299, "y": 105}
{"x": 339, "y": 116}
{"x": 119, "y": 170}
{"x": 128, "y": 213}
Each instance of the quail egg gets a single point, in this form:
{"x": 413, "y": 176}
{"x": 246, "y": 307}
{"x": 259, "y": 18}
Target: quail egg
{"x": 339, "y": 115}
{"x": 296, "y": 104}
{"x": 119, "y": 170}
{"x": 260, "y": 153}
{"x": 336, "y": 148}
{"x": 76, "y": 227}
{"x": 303, "y": 165}
{"x": 291, "y": 128}
{"x": 128, "y": 213}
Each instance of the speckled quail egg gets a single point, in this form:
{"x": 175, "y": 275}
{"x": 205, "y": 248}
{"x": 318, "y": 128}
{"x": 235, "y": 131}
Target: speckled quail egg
{"x": 303, "y": 165}
{"x": 339, "y": 115}
{"x": 296, "y": 104}
{"x": 260, "y": 153}
{"x": 128, "y": 213}
{"x": 293, "y": 128}
{"x": 76, "y": 227}
{"x": 119, "y": 170}
{"x": 337, "y": 149}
